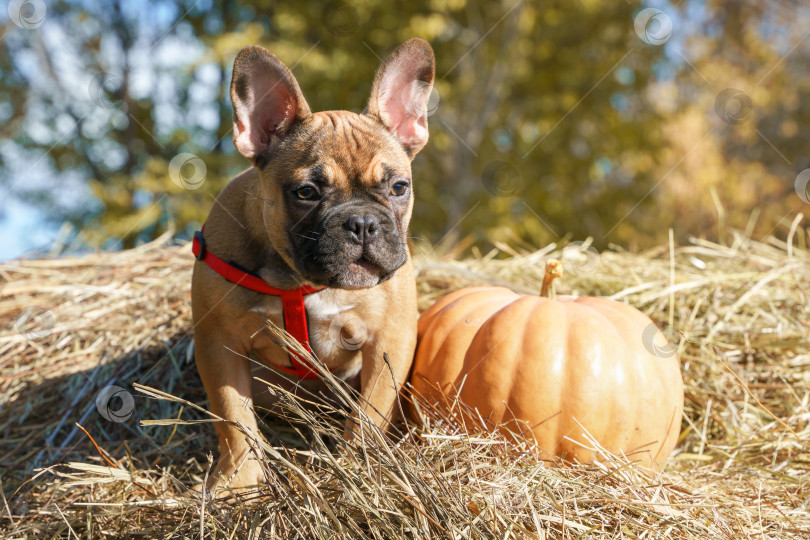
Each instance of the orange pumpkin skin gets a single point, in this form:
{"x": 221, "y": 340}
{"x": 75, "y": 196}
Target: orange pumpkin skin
{"x": 535, "y": 365}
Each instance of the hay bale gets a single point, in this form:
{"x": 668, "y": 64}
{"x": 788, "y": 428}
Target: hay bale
{"x": 75, "y": 326}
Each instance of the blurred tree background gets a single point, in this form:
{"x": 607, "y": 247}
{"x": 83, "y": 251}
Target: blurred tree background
{"x": 551, "y": 118}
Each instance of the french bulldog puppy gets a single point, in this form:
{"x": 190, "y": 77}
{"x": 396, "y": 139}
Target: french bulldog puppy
{"x": 314, "y": 238}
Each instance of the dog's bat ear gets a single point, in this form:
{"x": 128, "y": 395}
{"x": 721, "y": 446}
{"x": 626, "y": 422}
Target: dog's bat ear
{"x": 267, "y": 102}
{"x": 400, "y": 93}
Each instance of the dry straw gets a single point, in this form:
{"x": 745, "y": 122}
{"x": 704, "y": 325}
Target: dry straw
{"x": 74, "y": 326}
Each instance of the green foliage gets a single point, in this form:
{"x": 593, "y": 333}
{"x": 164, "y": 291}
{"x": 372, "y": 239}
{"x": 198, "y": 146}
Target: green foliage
{"x": 554, "y": 118}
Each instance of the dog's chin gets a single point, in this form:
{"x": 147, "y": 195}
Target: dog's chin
{"x": 360, "y": 274}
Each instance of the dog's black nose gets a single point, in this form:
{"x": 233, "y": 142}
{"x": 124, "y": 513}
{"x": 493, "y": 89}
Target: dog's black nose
{"x": 362, "y": 229}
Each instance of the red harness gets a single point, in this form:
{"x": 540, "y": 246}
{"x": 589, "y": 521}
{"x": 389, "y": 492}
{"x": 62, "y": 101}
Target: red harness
{"x": 292, "y": 302}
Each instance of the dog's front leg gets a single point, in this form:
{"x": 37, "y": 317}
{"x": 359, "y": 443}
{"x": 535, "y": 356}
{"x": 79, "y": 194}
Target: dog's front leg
{"x": 226, "y": 377}
{"x": 385, "y": 369}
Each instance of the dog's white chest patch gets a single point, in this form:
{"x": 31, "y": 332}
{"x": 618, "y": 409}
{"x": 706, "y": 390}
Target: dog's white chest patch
{"x": 322, "y": 307}
{"x": 334, "y": 329}
{"x": 318, "y": 305}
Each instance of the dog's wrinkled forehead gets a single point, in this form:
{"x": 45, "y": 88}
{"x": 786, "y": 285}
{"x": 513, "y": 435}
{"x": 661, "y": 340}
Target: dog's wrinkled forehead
{"x": 343, "y": 147}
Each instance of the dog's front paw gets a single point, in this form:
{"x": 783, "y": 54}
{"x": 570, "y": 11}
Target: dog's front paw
{"x": 228, "y": 477}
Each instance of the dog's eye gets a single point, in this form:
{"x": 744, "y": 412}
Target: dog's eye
{"x": 305, "y": 193}
{"x": 399, "y": 189}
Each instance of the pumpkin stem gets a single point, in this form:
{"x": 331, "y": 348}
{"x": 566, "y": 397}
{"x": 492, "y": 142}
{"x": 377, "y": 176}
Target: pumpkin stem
{"x": 554, "y": 269}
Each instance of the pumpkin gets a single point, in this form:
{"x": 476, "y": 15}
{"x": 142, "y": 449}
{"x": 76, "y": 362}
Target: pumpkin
{"x": 563, "y": 370}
